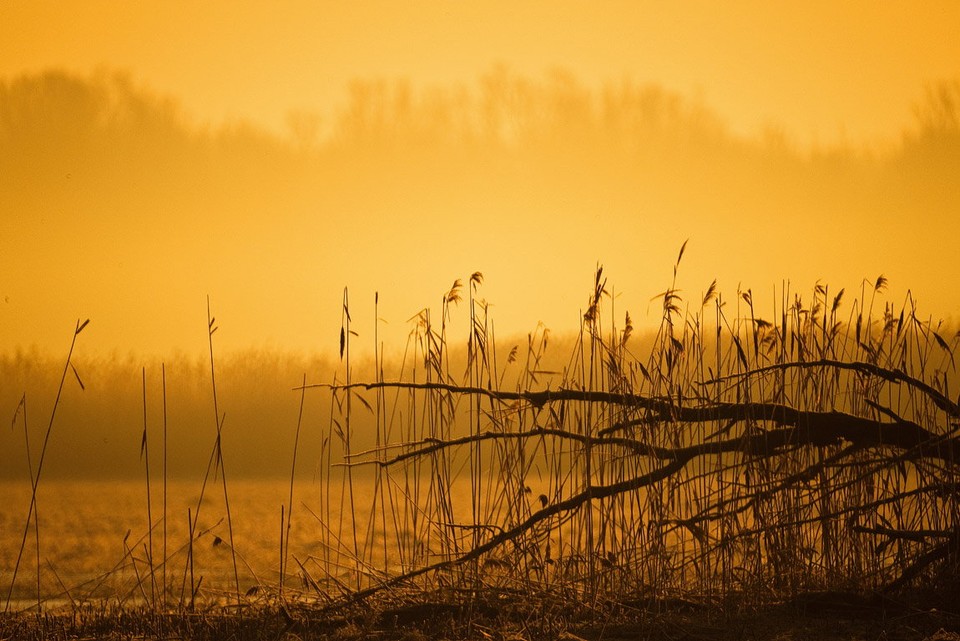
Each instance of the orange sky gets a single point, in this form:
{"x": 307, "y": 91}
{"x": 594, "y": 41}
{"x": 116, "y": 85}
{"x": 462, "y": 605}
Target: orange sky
{"x": 822, "y": 73}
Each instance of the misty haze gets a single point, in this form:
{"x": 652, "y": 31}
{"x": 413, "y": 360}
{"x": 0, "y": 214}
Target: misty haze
{"x": 637, "y": 343}
{"x": 402, "y": 191}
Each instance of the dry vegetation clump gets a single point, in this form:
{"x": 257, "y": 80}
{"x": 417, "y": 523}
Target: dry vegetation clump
{"x": 740, "y": 461}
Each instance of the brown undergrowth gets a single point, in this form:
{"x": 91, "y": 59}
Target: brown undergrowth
{"x": 820, "y": 617}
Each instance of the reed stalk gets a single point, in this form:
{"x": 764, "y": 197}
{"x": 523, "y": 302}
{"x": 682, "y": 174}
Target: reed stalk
{"x": 35, "y": 482}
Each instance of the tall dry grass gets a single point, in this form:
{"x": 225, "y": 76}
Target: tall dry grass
{"x": 741, "y": 457}
{"x": 733, "y": 457}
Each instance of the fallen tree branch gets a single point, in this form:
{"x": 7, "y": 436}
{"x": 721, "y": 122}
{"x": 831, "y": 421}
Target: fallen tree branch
{"x": 773, "y": 429}
{"x": 574, "y": 502}
{"x": 893, "y": 376}
{"x": 806, "y": 427}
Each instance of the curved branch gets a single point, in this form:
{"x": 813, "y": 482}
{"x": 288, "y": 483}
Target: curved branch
{"x": 574, "y": 502}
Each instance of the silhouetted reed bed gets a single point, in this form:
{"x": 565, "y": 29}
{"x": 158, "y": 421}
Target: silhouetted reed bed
{"x": 732, "y": 460}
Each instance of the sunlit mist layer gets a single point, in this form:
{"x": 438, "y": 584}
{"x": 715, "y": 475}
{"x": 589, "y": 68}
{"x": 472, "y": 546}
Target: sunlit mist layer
{"x": 116, "y": 209}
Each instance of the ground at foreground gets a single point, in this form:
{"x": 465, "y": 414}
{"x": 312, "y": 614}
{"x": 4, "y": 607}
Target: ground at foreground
{"x": 821, "y": 617}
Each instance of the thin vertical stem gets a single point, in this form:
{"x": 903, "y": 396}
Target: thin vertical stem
{"x": 219, "y": 448}
{"x": 163, "y": 380}
{"x": 31, "y": 512}
{"x": 145, "y": 455}
{"x": 285, "y": 536}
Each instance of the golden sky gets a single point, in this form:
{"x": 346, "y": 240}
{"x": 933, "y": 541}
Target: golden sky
{"x": 823, "y": 70}
{"x": 273, "y": 244}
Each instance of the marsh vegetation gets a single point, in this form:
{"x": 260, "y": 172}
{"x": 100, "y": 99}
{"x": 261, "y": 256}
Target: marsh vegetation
{"x": 733, "y": 460}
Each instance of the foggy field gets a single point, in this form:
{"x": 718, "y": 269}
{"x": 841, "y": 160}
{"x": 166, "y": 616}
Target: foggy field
{"x": 725, "y": 462}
